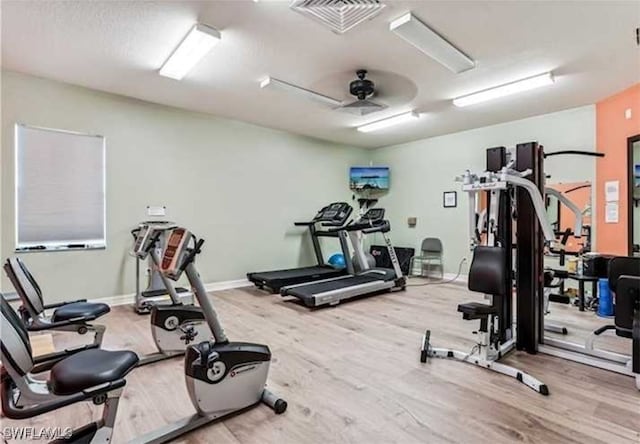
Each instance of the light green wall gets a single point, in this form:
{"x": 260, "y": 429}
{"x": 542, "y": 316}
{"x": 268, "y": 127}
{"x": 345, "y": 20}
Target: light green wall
{"x": 240, "y": 186}
{"x": 422, "y": 170}
{"x": 237, "y": 185}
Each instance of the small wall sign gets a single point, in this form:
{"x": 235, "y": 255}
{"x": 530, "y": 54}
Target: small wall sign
{"x": 450, "y": 199}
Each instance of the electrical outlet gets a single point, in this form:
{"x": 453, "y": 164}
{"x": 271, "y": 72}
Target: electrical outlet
{"x": 628, "y": 113}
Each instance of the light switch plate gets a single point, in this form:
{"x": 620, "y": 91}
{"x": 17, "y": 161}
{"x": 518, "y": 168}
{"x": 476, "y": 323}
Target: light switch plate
{"x": 156, "y": 211}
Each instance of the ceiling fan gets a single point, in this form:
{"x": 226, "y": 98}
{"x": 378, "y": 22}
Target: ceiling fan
{"x": 361, "y": 88}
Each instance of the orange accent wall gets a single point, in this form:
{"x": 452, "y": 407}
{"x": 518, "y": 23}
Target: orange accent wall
{"x": 612, "y": 131}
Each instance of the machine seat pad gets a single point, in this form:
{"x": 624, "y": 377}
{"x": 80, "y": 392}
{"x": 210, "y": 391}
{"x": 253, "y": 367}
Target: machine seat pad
{"x": 79, "y": 310}
{"x": 90, "y": 368}
{"x": 477, "y": 309}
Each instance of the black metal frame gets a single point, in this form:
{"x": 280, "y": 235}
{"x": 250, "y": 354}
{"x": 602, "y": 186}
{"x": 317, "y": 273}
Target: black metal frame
{"x": 529, "y": 278}
{"x": 528, "y": 249}
{"x": 496, "y": 159}
{"x": 630, "y": 185}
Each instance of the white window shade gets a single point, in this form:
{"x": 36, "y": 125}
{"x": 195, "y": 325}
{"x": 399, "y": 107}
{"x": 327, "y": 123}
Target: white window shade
{"x": 60, "y": 189}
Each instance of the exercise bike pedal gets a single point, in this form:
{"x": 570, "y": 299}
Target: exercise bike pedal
{"x": 189, "y": 335}
{"x": 424, "y": 353}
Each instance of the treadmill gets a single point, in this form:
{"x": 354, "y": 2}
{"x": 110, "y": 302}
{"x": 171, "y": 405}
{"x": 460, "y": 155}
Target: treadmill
{"x": 334, "y": 215}
{"x": 369, "y": 281}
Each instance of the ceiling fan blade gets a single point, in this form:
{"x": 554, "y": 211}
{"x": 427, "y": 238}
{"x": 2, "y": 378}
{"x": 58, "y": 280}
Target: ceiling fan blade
{"x": 299, "y": 91}
{"x": 362, "y": 107}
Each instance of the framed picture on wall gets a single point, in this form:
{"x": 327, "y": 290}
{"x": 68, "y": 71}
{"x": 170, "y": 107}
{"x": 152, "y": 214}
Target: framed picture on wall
{"x": 450, "y": 199}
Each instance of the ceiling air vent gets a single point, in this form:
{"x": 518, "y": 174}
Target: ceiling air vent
{"x": 338, "y": 15}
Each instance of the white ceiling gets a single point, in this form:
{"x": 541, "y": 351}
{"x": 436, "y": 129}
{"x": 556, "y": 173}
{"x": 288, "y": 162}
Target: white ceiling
{"x": 119, "y": 46}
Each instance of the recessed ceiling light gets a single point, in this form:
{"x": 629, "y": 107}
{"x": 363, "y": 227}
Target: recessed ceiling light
{"x": 196, "y": 44}
{"x": 389, "y": 121}
{"x": 299, "y": 91}
{"x": 411, "y": 29}
{"x": 505, "y": 90}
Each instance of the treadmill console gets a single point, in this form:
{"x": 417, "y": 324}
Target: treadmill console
{"x": 335, "y": 213}
{"x": 145, "y": 234}
{"x": 141, "y": 245}
{"x": 372, "y": 216}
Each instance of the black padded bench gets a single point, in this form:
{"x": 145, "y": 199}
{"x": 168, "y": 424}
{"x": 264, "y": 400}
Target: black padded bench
{"x": 476, "y": 310}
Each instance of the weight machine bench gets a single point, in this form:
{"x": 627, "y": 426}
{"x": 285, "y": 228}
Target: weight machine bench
{"x": 487, "y": 275}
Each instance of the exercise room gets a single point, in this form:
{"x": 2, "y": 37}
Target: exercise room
{"x": 320, "y": 221}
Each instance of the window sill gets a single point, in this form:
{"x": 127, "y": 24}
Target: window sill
{"x": 55, "y": 248}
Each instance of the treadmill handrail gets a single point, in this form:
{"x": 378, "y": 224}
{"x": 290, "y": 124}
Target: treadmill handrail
{"x": 365, "y": 227}
{"x": 332, "y": 224}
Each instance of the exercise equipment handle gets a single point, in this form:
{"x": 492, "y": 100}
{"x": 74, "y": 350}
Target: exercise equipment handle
{"x": 192, "y": 254}
{"x": 574, "y": 152}
{"x": 152, "y": 243}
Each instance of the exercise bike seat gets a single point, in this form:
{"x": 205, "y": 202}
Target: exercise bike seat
{"x": 79, "y": 310}
{"x": 476, "y": 310}
{"x": 90, "y": 368}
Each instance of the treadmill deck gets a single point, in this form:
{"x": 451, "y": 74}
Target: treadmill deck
{"x": 333, "y": 291}
{"x": 277, "y": 279}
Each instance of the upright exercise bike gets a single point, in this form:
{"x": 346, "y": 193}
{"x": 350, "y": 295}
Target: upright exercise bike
{"x": 222, "y": 377}
{"x": 174, "y": 326}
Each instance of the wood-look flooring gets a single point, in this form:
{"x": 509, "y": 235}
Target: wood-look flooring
{"x": 581, "y": 324}
{"x": 351, "y": 374}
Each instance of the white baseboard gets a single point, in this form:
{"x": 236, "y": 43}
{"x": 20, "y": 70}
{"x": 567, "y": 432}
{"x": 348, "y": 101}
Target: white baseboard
{"x": 127, "y": 299}
{"x": 227, "y": 285}
{"x": 462, "y": 279}
{"x": 120, "y": 299}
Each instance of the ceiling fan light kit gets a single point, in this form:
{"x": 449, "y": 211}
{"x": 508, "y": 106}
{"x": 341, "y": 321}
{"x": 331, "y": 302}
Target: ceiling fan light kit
{"x": 363, "y": 89}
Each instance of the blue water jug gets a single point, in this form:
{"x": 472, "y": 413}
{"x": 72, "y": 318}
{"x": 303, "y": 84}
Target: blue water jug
{"x": 605, "y": 299}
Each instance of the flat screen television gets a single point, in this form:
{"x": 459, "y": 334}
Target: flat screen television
{"x": 369, "y": 178}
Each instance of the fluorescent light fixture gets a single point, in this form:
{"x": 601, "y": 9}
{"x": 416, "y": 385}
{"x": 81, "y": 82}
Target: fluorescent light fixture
{"x": 299, "y": 91}
{"x": 197, "y": 43}
{"x": 505, "y": 90}
{"x": 411, "y": 29}
{"x": 389, "y": 121}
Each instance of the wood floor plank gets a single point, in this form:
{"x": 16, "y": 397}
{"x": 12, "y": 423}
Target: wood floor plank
{"x": 351, "y": 374}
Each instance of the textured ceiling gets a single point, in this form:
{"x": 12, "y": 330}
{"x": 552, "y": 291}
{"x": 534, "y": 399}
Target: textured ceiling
{"x": 118, "y": 46}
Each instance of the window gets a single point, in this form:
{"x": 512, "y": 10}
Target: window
{"x": 60, "y": 189}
